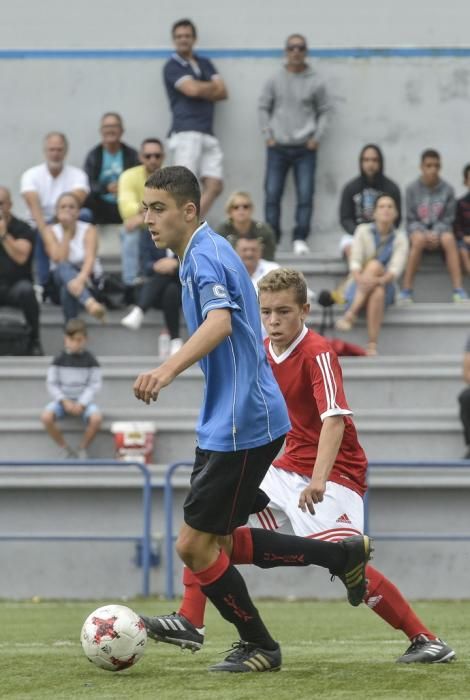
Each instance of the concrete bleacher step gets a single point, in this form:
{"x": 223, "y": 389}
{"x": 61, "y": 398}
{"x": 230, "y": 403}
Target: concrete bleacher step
{"x": 327, "y": 271}
{"x": 384, "y": 433}
{"x": 423, "y": 329}
{"x": 380, "y": 382}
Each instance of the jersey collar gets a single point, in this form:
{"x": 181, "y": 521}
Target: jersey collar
{"x": 280, "y": 358}
{"x": 191, "y": 240}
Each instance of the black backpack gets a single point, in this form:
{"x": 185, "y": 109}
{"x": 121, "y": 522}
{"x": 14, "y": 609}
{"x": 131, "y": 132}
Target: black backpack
{"x": 15, "y": 334}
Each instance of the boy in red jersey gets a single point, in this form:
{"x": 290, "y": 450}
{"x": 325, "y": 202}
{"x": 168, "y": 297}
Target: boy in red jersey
{"x": 315, "y": 487}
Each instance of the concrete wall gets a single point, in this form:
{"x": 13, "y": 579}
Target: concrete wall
{"x": 405, "y": 103}
{"x": 110, "y": 504}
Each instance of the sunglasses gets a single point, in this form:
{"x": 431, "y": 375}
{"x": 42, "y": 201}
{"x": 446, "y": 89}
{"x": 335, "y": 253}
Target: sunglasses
{"x": 296, "y": 47}
{"x": 241, "y": 206}
{"x": 147, "y": 156}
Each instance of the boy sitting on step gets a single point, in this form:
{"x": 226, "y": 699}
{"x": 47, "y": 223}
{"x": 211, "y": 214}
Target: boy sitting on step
{"x": 73, "y": 379}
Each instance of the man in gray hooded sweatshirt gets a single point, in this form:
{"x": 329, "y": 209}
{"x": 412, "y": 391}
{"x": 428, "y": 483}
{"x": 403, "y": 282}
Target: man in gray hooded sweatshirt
{"x": 430, "y": 213}
{"x": 293, "y": 111}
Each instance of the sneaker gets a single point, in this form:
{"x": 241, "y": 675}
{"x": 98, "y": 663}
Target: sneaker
{"x": 66, "y": 452}
{"x": 358, "y": 552}
{"x": 134, "y": 319}
{"x": 246, "y": 658}
{"x": 405, "y": 296}
{"x": 39, "y": 293}
{"x": 175, "y": 345}
{"x": 459, "y": 295}
{"x": 82, "y": 453}
{"x": 427, "y": 651}
{"x": 174, "y": 629}
{"x": 300, "y": 248}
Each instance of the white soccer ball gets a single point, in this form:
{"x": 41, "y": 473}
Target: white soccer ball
{"x": 113, "y": 637}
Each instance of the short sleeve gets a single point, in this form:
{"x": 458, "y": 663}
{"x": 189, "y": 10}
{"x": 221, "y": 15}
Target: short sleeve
{"x": 28, "y": 181}
{"x": 327, "y": 385}
{"x": 79, "y": 180}
{"x": 174, "y": 72}
{"x": 211, "y": 280}
{"x": 212, "y": 71}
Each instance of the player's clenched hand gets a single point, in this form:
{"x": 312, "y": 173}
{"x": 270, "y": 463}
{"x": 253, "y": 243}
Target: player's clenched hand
{"x": 148, "y": 384}
{"x": 312, "y": 494}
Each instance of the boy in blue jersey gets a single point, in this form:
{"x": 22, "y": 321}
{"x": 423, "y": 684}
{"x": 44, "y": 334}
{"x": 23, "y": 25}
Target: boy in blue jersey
{"x": 241, "y": 427}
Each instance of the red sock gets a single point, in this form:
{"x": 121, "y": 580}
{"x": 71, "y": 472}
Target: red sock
{"x": 216, "y": 570}
{"x": 193, "y": 605}
{"x": 242, "y": 551}
{"x": 384, "y": 598}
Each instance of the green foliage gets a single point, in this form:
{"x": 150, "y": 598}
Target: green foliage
{"x": 330, "y": 650}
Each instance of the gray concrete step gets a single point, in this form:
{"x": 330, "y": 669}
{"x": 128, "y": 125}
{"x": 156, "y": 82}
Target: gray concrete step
{"x": 385, "y": 434}
{"x": 382, "y": 382}
{"x": 416, "y": 329}
{"x": 323, "y": 271}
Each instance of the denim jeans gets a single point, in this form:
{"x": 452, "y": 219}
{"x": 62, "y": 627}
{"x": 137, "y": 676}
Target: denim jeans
{"x": 130, "y": 256}
{"x": 64, "y": 273}
{"x": 280, "y": 159}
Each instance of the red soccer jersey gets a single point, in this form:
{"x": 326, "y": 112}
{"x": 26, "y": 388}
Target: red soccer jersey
{"x": 310, "y": 378}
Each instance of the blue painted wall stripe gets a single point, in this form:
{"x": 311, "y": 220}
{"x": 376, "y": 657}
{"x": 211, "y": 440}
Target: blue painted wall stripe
{"x": 142, "y": 54}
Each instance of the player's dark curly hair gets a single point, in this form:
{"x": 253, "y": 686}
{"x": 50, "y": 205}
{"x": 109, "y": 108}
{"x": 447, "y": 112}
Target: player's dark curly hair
{"x": 179, "y": 182}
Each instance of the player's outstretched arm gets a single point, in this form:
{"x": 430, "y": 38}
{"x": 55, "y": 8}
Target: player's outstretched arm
{"x": 216, "y": 327}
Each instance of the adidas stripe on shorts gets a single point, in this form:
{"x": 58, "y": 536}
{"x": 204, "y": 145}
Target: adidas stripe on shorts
{"x": 339, "y": 515}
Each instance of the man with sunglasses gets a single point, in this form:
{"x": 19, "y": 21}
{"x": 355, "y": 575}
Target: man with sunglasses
{"x": 293, "y": 110}
{"x": 130, "y": 193}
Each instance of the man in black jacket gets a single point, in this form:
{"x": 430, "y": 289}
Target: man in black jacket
{"x": 359, "y": 195}
{"x": 103, "y": 165}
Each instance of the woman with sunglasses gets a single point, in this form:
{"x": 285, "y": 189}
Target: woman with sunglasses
{"x": 240, "y": 222}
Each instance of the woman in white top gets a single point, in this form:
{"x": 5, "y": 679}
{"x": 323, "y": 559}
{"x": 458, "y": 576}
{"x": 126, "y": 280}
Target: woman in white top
{"x": 378, "y": 257}
{"x": 72, "y": 246}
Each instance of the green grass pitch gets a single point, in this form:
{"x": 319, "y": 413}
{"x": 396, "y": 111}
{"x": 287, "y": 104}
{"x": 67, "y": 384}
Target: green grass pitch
{"x": 330, "y": 650}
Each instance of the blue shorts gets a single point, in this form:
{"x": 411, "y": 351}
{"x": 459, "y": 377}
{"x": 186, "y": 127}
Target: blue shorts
{"x": 57, "y": 409}
{"x": 350, "y": 292}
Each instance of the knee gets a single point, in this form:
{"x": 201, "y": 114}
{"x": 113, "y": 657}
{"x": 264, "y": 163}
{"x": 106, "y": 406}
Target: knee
{"x": 190, "y": 544}
{"x": 95, "y": 420}
{"x": 447, "y": 241}
{"x": 418, "y": 240}
{"x": 375, "y": 267}
{"x": 47, "y": 418}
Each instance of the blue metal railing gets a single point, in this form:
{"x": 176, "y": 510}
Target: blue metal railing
{"x": 401, "y": 536}
{"x": 144, "y": 539}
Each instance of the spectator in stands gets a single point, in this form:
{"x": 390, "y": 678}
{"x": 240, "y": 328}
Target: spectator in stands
{"x": 193, "y": 86}
{"x": 464, "y": 400}
{"x": 359, "y": 195}
{"x": 240, "y": 222}
{"x": 103, "y": 165}
{"x": 377, "y": 259}
{"x": 73, "y": 380}
{"x": 130, "y": 194}
{"x": 462, "y": 222}
{"x": 72, "y": 246}
{"x": 41, "y": 186}
{"x": 430, "y": 213}
{"x": 250, "y": 250}
{"x": 16, "y": 280}
{"x": 293, "y": 110}
{"x": 161, "y": 289}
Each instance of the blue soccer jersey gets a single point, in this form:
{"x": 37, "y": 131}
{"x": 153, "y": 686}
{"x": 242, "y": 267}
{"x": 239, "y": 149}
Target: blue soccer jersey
{"x": 243, "y": 406}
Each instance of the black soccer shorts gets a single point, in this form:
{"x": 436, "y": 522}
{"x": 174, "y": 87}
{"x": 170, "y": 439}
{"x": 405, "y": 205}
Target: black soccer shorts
{"x": 225, "y": 487}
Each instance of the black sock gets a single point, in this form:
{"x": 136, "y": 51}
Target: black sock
{"x": 230, "y": 596}
{"x": 271, "y": 549}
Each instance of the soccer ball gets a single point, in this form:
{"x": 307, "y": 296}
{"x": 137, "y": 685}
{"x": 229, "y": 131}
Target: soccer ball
{"x": 113, "y": 637}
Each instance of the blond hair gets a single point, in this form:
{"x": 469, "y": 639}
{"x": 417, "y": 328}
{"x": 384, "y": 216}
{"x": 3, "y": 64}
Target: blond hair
{"x": 231, "y": 200}
{"x": 285, "y": 278}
